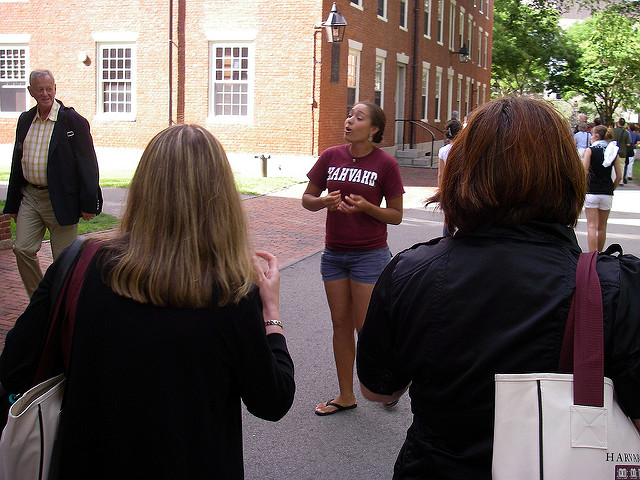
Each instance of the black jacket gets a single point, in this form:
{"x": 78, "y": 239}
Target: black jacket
{"x": 73, "y": 182}
{"x": 449, "y": 314}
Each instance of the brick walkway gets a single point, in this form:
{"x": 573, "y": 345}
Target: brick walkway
{"x": 277, "y": 224}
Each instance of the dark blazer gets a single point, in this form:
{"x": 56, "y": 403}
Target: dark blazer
{"x": 73, "y": 182}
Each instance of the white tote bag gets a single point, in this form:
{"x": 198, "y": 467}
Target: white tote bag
{"x": 540, "y": 433}
{"x": 555, "y": 426}
{"x": 27, "y": 440}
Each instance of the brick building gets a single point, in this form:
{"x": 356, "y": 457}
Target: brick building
{"x": 259, "y": 74}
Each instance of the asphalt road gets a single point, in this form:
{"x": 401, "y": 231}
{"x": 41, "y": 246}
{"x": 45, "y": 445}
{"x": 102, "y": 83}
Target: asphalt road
{"x": 360, "y": 443}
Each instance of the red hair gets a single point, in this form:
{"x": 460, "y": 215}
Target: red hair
{"x": 515, "y": 162}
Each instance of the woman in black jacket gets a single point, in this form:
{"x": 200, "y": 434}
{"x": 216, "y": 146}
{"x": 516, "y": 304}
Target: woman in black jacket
{"x": 171, "y": 332}
{"x": 447, "y": 315}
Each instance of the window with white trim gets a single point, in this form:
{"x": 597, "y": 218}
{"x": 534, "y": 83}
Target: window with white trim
{"x": 440, "y": 21}
{"x": 470, "y": 37}
{"x": 461, "y": 23}
{"x": 459, "y": 94}
{"x": 356, "y": 3}
{"x": 479, "y": 46}
{"x": 427, "y": 18}
{"x": 382, "y": 9}
{"x": 449, "y": 92}
{"x": 404, "y": 14}
{"x": 480, "y": 3}
{"x": 452, "y": 26}
{"x": 14, "y": 60}
{"x": 117, "y": 80}
{"x": 467, "y": 97}
{"x": 378, "y": 83}
{"x": 438, "y": 89}
{"x": 353, "y": 77}
{"x": 231, "y": 67}
{"x": 486, "y": 49}
{"x": 425, "y": 91}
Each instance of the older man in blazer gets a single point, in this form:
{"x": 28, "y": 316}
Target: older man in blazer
{"x": 54, "y": 177}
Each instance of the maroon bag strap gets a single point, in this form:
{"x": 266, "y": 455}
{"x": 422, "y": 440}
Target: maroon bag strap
{"x": 60, "y": 334}
{"x": 583, "y": 343}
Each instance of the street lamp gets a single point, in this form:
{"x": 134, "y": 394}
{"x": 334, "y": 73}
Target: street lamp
{"x": 463, "y": 52}
{"x": 335, "y": 25}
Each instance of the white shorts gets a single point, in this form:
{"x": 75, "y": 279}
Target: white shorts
{"x": 601, "y": 202}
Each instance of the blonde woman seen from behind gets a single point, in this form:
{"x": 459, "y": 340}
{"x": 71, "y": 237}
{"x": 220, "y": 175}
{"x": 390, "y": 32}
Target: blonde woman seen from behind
{"x": 177, "y": 323}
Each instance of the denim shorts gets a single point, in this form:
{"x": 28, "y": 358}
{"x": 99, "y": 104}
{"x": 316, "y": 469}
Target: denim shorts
{"x": 362, "y": 266}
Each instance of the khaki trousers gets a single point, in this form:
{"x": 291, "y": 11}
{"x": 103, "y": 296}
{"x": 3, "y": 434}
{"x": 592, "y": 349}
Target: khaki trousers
{"x": 34, "y": 217}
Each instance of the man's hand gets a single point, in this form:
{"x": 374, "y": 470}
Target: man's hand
{"x": 87, "y": 216}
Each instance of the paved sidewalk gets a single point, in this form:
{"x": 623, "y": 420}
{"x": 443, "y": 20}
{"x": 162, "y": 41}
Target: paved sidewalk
{"x": 277, "y": 222}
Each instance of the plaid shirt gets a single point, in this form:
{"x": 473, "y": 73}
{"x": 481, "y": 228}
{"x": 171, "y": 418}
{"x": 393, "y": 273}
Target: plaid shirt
{"x": 36, "y": 147}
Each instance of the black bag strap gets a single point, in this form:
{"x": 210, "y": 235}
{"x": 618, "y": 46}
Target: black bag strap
{"x": 57, "y": 347}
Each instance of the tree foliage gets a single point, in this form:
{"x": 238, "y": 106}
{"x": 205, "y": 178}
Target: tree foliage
{"x": 607, "y": 72}
{"x": 527, "y": 41}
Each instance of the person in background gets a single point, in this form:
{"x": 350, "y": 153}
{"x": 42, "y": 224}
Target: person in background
{"x": 447, "y": 315}
{"x": 357, "y": 176}
{"x": 634, "y": 142}
{"x": 451, "y": 130}
{"x": 621, "y": 136}
{"x": 171, "y": 332}
{"x": 582, "y": 138}
{"x": 53, "y": 180}
{"x": 599, "y": 199}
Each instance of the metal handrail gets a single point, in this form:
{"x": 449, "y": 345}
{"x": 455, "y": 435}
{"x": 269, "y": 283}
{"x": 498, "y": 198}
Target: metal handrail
{"x": 423, "y": 125}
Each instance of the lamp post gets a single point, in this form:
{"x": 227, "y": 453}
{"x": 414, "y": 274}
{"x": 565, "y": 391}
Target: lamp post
{"x": 335, "y": 25}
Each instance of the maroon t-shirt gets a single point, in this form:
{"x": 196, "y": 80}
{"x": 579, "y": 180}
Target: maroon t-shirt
{"x": 373, "y": 176}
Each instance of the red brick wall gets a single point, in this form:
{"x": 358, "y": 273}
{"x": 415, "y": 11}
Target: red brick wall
{"x": 5, "y": 231}
{"x": 284, "y": 121}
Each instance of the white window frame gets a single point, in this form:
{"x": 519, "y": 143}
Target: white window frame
{"x": 385, "y": 9}
{"x": 452, "y": 26}
{"x": 437, "y": 94}
{"x": 480, "y": 3}
{"x": 13, "y": 76}
{"x": 381, "y": 58}
{"x": 470, "y": 36}
{"x": 486, "y": 50}
{"x": 461, "y": 22}
{"x": 234, "y": 42}
{"x": 426, "y": 70}
{"x": 427, "y": 23}
{"x": 440, "y": 22}
{"x": 116, "y": 41}
{"x": 480, "y": 46}
{"x": 459, "y": 94}
{"x": 355, "y": 53}
{"x": 404, "y": 19}
{"x": 450, "y": 75}
{"x": 357, "y": 4}
{"x": 467, "y": 99}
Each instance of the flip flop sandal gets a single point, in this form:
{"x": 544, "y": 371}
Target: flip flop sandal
{"x": 339, "y": 408}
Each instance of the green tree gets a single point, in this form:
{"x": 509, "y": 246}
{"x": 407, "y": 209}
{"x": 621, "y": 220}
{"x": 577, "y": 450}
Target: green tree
{"x": 527, "y": 42}
{"x": 608, "y": 72}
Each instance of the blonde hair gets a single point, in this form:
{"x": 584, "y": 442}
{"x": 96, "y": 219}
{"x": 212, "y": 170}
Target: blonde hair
{"x": 183, "y": 236}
